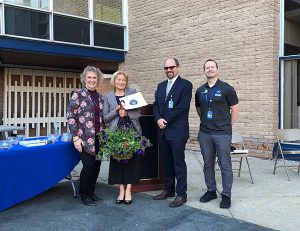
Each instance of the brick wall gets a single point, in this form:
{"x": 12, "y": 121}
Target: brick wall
{"x": 241, "y": 35}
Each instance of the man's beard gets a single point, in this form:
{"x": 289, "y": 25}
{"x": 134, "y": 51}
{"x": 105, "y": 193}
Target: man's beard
{"x": 170, "y": 76}
{"x": 211, "y": 77}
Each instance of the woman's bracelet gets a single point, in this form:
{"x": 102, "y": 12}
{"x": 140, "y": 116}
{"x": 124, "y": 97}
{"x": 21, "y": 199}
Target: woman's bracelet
{"x": 76, "y": 140}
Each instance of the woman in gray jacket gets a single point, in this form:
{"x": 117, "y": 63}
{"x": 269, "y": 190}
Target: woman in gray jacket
{"x": 124, "y": 174}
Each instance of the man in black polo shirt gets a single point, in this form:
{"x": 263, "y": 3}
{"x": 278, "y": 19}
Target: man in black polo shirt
{"x": 217, "y": 105}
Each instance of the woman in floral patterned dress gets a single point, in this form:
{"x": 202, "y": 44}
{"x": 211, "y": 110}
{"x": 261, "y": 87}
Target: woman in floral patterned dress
{"x": 85, "y": 119}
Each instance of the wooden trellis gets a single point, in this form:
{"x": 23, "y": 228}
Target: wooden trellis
{"x": 36, "y": 99}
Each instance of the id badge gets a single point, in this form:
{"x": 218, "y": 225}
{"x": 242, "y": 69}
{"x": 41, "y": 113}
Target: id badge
{"x": 171, "y": 103}
{"x": 209, "y": 115}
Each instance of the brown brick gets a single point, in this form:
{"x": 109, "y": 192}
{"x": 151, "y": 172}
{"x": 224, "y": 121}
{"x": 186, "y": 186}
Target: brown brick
{"x": 241, "y": 35}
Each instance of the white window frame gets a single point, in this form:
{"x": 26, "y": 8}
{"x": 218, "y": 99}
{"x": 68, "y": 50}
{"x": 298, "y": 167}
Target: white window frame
{"x": 2, "y": 18}
{"x": 281, "y": 62}
{"x": 90, "y": 18}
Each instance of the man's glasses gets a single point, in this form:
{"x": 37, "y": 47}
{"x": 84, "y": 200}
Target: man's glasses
{"x": 170, "y": 67}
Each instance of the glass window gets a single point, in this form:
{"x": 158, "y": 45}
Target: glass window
{"x": 290, "y": 82}
{"x": 71, "y": 23}
{"x": 108, "y": 10}
{"x": 292, "y": 27}
{"x": 108, "y": 35}
{"x": 1, "y": 31}
{"x": 72, "y": 7}
{"x": 71, "y": 30}
{"x": 26, "y": 23}
{"x": 42, "y": 4}
{"x": 291, "y": 86}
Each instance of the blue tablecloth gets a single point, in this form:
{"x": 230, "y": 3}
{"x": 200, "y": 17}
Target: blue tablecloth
{"x": 28, "y": 171}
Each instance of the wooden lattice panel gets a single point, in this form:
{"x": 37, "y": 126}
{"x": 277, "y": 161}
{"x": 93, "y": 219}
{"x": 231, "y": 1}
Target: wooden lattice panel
{"x": 36, "y": 99}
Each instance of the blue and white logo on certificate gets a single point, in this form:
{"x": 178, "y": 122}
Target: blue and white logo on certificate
{"x": 135, "y": 100}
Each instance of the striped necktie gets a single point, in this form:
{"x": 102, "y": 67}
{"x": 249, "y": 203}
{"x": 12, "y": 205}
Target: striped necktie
{"x": 169, "y": 85}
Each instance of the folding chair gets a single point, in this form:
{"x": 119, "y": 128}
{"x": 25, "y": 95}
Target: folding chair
{"x": 287, "y": 136}
{"x": 241, "y": 153}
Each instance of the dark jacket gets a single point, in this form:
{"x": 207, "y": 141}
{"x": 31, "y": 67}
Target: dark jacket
{"x": 176, "y": 117}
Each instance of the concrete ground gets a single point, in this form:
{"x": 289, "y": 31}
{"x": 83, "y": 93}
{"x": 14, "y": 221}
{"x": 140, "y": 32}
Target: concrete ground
{"x": 272, "y": 202}
{"x": 56, "y": 210}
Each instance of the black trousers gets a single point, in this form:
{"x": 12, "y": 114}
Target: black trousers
{"x": 89, "y": 173}
{"x": 174, "y": 165}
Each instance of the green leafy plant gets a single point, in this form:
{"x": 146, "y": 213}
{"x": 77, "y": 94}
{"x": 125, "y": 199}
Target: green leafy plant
{"x": 121, "y": 144}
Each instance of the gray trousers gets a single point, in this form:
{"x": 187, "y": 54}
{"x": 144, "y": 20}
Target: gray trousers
{"x": 220, "y": 146}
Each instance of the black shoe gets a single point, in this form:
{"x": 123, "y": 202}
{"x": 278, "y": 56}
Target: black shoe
{"x": 127, "y": 202}
{"x": 208, "y": 196}
{"x": 177, "y": 202}
{"x": 118, "y": 201}
{"x": 94, "y": 197}
{"x": 163, "y": 195}
{"x": 87, "y": 201}
{"x": 225, "y": 203}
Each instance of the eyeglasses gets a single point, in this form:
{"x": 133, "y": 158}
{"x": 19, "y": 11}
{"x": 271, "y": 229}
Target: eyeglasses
{"x": 170, "y": 67}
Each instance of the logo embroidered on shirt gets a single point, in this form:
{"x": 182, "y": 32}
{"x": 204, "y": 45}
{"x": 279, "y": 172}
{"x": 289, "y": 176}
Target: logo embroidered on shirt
{"x": 218, "y": 93}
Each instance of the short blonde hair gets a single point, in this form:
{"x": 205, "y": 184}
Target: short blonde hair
{"x": 95, "y": 70}
{"x": 115, "y": 75}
